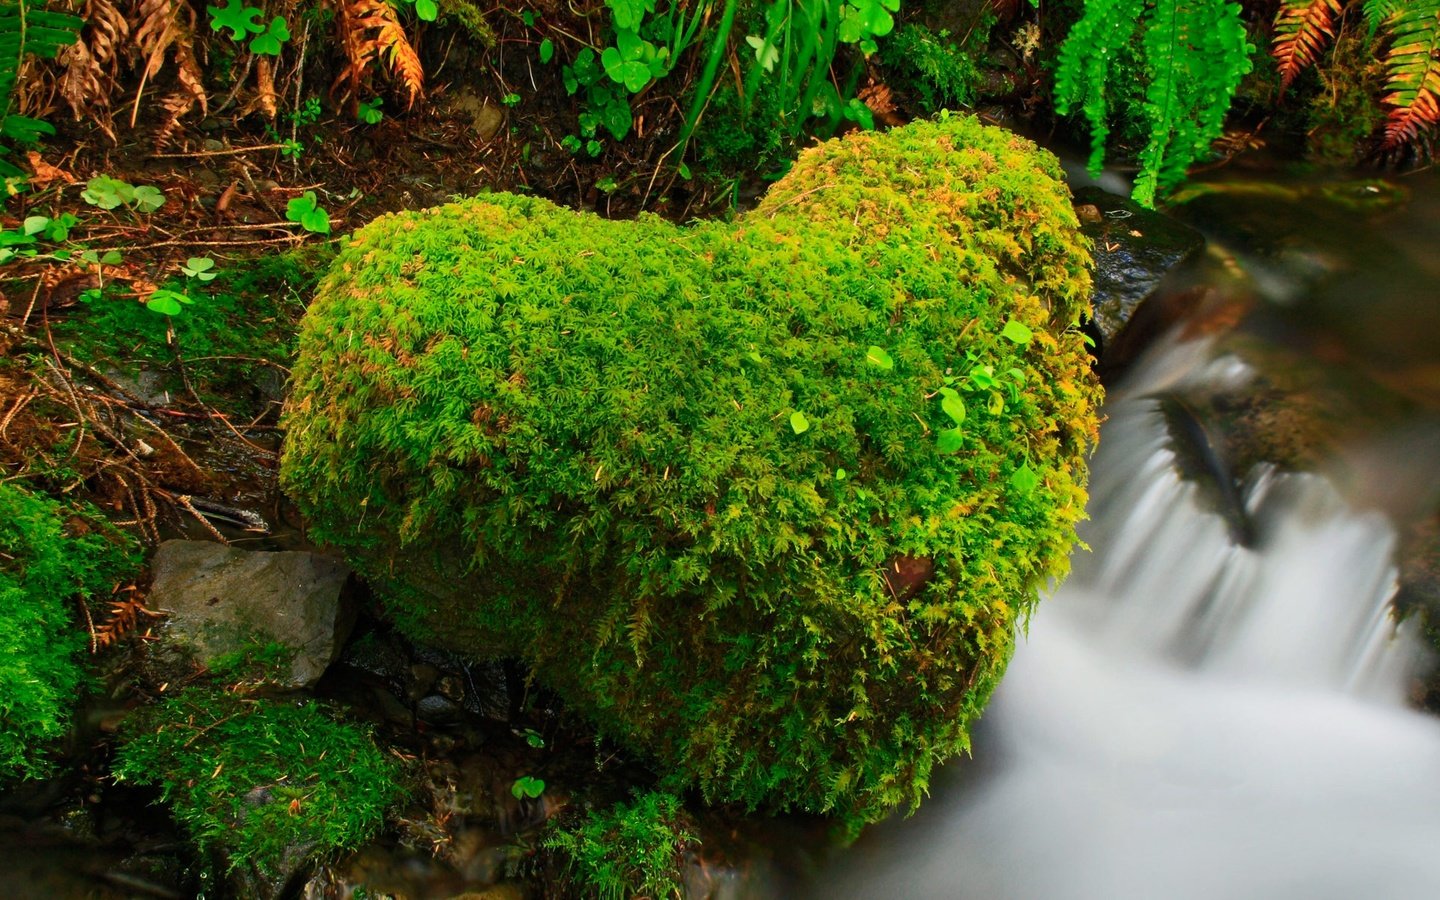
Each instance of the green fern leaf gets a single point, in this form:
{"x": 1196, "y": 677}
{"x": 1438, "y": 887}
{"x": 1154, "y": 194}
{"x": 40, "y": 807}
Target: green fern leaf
{"x": 28, "y": 31}
{"x": 1413, "y": 69}
{"x": 1195, "y": 54}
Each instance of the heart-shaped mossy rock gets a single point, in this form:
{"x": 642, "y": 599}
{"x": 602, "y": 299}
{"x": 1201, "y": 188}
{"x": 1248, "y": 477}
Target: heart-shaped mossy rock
{"x": 765, "y": 500}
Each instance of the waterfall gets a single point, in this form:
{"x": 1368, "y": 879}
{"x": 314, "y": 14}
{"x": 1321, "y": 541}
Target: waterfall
{"x": 1187, "y": 717}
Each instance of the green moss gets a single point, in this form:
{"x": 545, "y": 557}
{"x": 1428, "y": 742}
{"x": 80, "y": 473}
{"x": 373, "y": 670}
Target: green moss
{"x": 938, "y": 71}
{"x": 259, "y": 781}
{"x": 545, "y": 434}
{"x": 628, "y": 850}
{"x": 50, "y": 554}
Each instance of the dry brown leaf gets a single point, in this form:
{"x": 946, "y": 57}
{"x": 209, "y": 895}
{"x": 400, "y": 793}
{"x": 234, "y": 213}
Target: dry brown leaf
{"x": 44, "y": 173}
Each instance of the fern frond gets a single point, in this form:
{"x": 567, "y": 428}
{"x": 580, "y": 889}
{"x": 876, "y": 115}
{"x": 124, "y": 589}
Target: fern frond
{"x": 1303, "y": 29}
{"x": 89, "y": 65}
{"x": 1195, "y": 53}
{"x": 37, "y": 32}
{"x": 167, "y": 27}
{"x": 370, "y": 30}
{"x": 1378, "y": 12}
{"x": 1412, "y": 67}
{"x": 1083, "y": 70}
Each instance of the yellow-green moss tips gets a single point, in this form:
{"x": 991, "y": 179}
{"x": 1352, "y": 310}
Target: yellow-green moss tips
{"x": 579, "y": 441}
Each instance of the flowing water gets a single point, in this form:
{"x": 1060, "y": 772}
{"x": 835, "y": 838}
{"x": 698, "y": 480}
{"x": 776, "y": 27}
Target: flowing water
{"x": 1193, "y": 718}
{"x": 1188, "y": 717}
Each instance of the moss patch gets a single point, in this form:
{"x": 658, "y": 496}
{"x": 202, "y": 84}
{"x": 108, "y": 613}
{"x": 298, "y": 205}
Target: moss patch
{"x": 50, "y": 554}
{"x": 628, "y": 850}
{"x": 708, "y": 480}
{"x": 260, "y": 782}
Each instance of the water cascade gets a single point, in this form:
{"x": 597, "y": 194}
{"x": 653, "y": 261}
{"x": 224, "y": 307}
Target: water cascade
{"x": 1188, "y": 717}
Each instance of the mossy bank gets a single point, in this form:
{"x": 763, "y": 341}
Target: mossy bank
{"x": 765, "y": 500}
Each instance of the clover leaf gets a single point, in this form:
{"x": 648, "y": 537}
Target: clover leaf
{"x": 148, "y": 199}
{"x": 527, "y": 786}
{"x": 275, "y": 34}
{"x": 167, "y": 303}
{"x": 237, "y": 17}
{"x": 200, "y": 267}
{"x": 308, "y": 213}
{"x": 106, "y": 192}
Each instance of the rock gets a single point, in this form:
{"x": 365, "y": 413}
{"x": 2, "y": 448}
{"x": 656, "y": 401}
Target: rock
{"x": 641, "y": 498}
{"x": 1135, "y": 248}
{"x": 219, "y": 600}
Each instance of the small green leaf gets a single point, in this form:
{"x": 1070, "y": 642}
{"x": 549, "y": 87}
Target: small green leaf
{"x": 766, "y": 54}
{"x": 148, "y": 199}
{"x": 799, "y": 423}
{"x": 308, "y": 214}
{"x": 684, "y": 171}
{"x": 1018, "y": 332}
{"x": 427, "y": 10}
{"x": 841, "y": 474}
{"x": 269, "y": 43}
{"x": 952, "y": 405}
{"x": 167, "y": 303}
{"x": 106, "y": 192}
{"x": 1024, "y": 479}
{"x": 949, "y": 440}
{"x": 237, "y": 17}
{"x": 36, "y": 224}
{"x": 199, "y": 267}
{"x": 547, "y": 50}
{"x": 527, "y": 786}
{"x": 112, "y": 258}
{"x": 876, "y": 356}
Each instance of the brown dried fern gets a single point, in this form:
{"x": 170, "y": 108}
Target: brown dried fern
{"x": 125, "y": 616}
{"x": 168, "y": 26}
{"x": 370, "y": 30}
{"x": 1303, "y": 29}
{"x": 87, "y": 81}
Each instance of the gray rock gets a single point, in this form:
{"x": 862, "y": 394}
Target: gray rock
{"x": 220, "y": 600}
{"x": 1134, "y": 249}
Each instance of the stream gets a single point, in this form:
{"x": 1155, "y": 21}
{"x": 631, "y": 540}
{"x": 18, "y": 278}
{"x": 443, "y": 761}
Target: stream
{"x": 1193, "y": 718}
{"x": 1190, "y": 718}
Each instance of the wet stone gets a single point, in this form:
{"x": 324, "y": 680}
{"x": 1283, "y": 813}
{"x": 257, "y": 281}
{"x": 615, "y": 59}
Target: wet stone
{"x": 221, "y": 601}
{"x": 1134, "y": 250}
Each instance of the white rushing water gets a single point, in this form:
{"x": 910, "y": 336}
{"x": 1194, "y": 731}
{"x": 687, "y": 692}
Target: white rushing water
{"x": 1188, "y": 718}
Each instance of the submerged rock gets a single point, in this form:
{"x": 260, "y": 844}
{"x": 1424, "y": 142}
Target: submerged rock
{"x": 223, "y": 601}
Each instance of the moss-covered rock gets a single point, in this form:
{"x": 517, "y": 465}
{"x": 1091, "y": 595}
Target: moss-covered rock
{"x": 708, "y": 480}
{"x": 50, "y": 554}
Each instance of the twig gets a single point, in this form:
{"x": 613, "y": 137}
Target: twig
{"x": 228, "y": 151}
{"x": 89, "y": 623}
{"x": 15, "y": 410}
{"x": 290, "y": 238}
{"x": 184, "y": 501}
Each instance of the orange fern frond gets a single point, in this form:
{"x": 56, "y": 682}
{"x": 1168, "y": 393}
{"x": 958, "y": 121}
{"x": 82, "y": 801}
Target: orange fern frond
{"x": 1303, "y": 29}
{"x": 1413, "y": 67}
{"x": 370, "y": 30}
{"x": 124, "y": 618}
